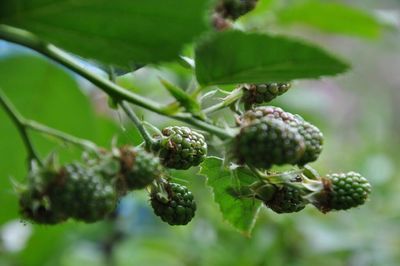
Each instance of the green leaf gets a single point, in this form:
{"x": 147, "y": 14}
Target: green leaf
{"x": 241, "y": 212}
{"x": 332, "y": 17}
{"x": 184, "y": 99}
{"x": 113, "y": 32}
{"x": 237, "y": 57}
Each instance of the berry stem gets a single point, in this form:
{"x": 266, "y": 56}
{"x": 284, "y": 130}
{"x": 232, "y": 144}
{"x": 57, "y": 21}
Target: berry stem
{"x": 149, "y": 141}
{"x": 19, "y": 122}
{"x": 83, "y": 143}
{"x": 23, "y": 124}
{"x": 116, "y": 92}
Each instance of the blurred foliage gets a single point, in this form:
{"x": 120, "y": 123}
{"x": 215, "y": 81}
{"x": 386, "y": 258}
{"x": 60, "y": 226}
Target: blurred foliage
{"x": 358, "y": 113}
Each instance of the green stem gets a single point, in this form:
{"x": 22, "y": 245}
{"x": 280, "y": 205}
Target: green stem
{"x": 23, "y": 124}
{"x": 19, "y": 122}
{"x": 116, "y": 92}
{"x": 83, "y": 143}
{"x": 139, "y": 125}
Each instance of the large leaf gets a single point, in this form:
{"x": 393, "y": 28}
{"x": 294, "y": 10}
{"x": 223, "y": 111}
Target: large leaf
{"x": 332, "y": 17}
{"x": 113, "y": 32}
{"x": 240, "y": 211}
{"x": 237, "y": 57}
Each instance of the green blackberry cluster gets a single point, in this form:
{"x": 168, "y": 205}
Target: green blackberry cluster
{"x": 233, "y": 9}
{"x": 262, "y": 93}
{"x": 181, "y": 148}
{"x": 139, "y": 168}
{"x": 287, "y": 199}
{"x": 36, "y": 198}
{"x": 174, "y": 204}
{"x": 264, "y": 142}
{"x": 312, "y": 136}
{"x": 74, "y": 191}
{"x": 342, "y": 191}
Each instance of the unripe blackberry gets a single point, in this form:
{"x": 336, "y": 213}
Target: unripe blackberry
{"x": 313, "y": 137}
{"x": 342, "y": 191}
{"x": 181, "y": 148}
{"x": 176, "y": 207}
{"x": 139, "y": 168}
{"x": 264, "y": 142}
{"x": 84, "y": 194}
{"x": 287, "y": 199}
{"x": 262, "y": 93}
{"x": 36, "y": 201}
{"x": 52, "y": 196}
{"x": 233, "y": 9}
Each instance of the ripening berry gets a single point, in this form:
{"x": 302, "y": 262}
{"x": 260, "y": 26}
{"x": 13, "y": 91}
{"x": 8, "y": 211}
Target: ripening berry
{"x": 312, "y": 136}
{"x": 262, "y": 93}
{"x": 176, "y": 207}
{"x": 139, "y": 168}
{"x": 342, "y": 191}
{"x": 287, "y": 199}
{"x": 181, "y": 148}
{"x": 264, "y": 142}
{"x": 84, "y": 193}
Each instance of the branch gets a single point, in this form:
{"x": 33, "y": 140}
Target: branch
{"x": 23, "y": 124}
{"x": 139, "y": 125}
{"x": 19, "y": 122}
{"x": 116, "y": 92}
{"x": 83, "y": 143}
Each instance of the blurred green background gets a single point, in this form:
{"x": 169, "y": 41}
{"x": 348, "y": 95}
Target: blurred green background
{"x": 357, "y": 112}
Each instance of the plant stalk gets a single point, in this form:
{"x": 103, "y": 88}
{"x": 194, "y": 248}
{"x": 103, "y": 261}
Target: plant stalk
{"x": 149, "y": 141}
{"x": 116, "y": 92}
{"x": 19, "y": 122}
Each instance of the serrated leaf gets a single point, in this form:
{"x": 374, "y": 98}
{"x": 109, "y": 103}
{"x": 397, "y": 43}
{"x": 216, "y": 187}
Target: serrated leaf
{"x": 240, "y": 211}
{"x": 332, "y": 17}
{"x": 237, "y": 57}
{"x": 115, "y": 32}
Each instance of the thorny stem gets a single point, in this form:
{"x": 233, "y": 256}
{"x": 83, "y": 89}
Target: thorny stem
{"x": 23, "y": 124}
{"x": 19, "y": 122}
{"x": 139, "y": 125}
{"x": 116, "y": 92}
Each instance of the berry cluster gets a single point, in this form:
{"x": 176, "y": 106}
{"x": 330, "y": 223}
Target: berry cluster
{"x": 181, "y": 148}
{"x": 312, "y": 136}
{"x": 269, "y": 135}
{"x": 173, "y": 203}
{"x": 342, "y": 191}
{"x": 89, "y": 191}
{"x": 331, "y": 193}
{"x": 262, "y": 93}
{"x": 53, "y": 195}
{"x": 266, "y": 141}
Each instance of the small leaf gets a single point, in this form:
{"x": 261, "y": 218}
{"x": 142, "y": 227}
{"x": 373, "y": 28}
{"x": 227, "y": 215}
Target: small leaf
{"x": 186, "y": 62}
{"x": 332, "y": 17}
{"x": 185, "y": 100}
{"x": 236, "y": 57}
{"x": 117, "y": 32}
{"x": 239, "y": 211}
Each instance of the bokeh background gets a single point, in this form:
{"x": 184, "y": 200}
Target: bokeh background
{"x": 357, "y": 112}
